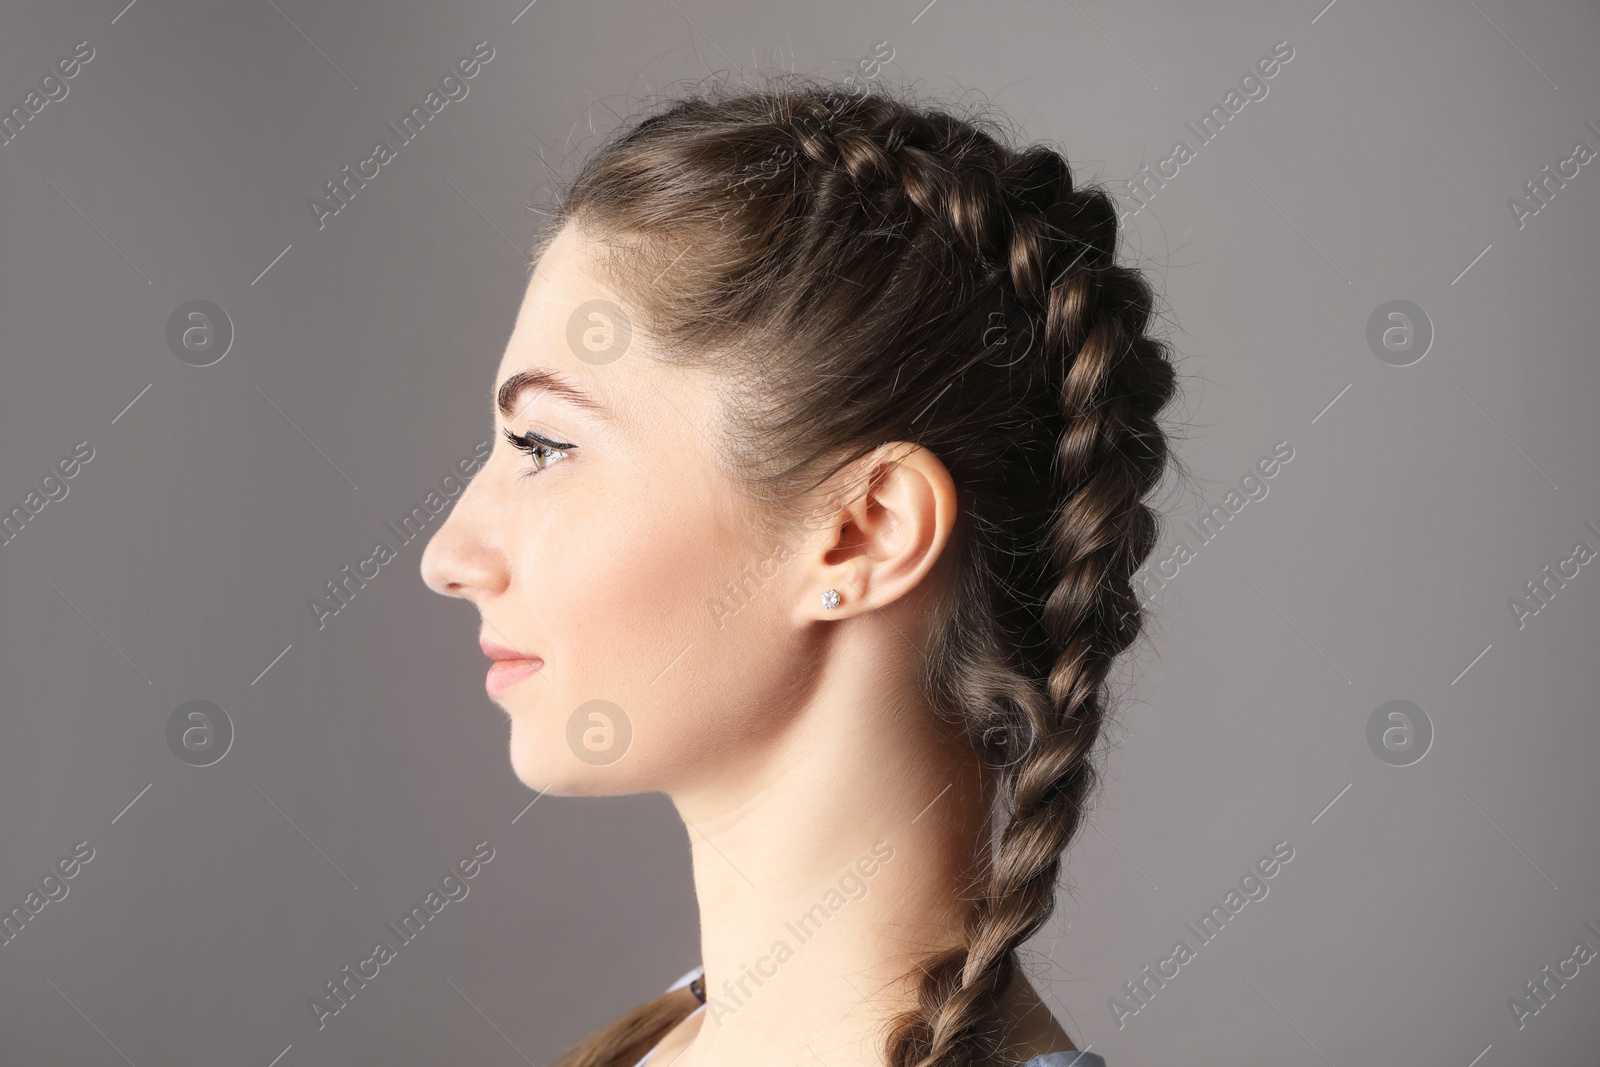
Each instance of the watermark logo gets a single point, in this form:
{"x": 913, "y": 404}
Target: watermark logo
{"x": 338, "y": 992}
{"x": 50, "y": 488}
{"x": 52, "y": 889}
{"x": 1399, "y": 733}
{"x": 1142, "y": 187}
{"x": 199, "y": 733}
{"x": 342, "y": 591}
{"x": 52, "y": 89}
{"x": 1543, "y": 987}
{"x": 1399, "y": 333}
{"x": 1541, "y": 591}
{"x": 1252, "y": 886}
{"x": 851, "y": 885}
{"x": 599, "y": 332}
{"x": 869, "y": 67}
{"x": 998, "y": 336}
{"x": 741, "y": 593}
{"x": 767, "y": 167}
{"x": 1540, "y": 191}
{"x": 1211, "y": 521}
{"x": 199, "y": 333}
{"x": 452, "y": 87}
{"x": 598, "y": 732}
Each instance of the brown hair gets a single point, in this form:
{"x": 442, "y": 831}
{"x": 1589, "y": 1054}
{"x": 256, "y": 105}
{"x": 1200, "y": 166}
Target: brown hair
{"x": 863, "y": 270}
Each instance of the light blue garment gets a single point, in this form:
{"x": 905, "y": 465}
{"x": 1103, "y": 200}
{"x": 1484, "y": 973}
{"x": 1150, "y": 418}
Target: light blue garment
{"x": 1049, "y": 1059}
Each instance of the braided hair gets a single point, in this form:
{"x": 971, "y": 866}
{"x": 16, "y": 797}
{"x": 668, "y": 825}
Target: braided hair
{"x": 865, "y": 270}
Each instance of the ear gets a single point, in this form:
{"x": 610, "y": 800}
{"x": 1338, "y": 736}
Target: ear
{"x": 896, "y": 517}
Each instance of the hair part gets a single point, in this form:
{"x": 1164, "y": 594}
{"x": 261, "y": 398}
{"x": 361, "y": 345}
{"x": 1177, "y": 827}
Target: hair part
{"x": 859, "y": 270}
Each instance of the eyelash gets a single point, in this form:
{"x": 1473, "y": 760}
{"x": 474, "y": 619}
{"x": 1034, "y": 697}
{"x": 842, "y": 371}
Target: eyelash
{"x": 537, "y": 448}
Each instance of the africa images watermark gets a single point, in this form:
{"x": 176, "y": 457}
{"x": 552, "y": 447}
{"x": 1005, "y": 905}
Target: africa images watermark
{"x": 869, "y": 66}
{"x": 851, "y": 885}
{"x": 739, "y": 594}
{"x": 1541, "y": 190}
{"x": 1542, "y": 988}
{"x": 52, "y": 486}
{"x": 343, "y": 590}
{"x": 1252, "y": 486}
{"x": 1541, "y": 591}
{"x": 1252, "y": 887}
{"x": 52, "y": 889}
{"x": 451, "y": 88}
{"x": 53, "y": 88}
{"x": 1252, "y": 86}
{"x": 339, "y": 992}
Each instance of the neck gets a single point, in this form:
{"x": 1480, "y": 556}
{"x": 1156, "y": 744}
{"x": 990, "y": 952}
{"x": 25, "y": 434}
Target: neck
{"x": 827, "y": 863}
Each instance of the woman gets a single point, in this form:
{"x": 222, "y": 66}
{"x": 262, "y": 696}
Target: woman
{"x": 825, "y": 430}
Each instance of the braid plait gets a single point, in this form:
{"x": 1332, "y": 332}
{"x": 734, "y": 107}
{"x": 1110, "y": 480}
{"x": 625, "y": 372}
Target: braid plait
{"x": 1057, "y": 246}
{"x": 945, "y": 173}
{"x": 886, "y": 272}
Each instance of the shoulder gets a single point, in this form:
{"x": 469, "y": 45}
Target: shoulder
{"x": 698, "y": 969}
{"x": 1049, "y": 1059}
{"x": 1067, "y": 1059}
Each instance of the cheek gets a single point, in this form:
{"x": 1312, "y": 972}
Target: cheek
{"x": 671, "y": 615}
{"x": 618, "y": 595}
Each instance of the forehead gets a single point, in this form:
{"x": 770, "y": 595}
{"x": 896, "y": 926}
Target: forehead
{"x": 573, "y": 323}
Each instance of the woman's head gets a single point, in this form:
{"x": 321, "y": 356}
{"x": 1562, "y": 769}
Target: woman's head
{"x": 628, "y": 562}
{"x": 844, "y": 342}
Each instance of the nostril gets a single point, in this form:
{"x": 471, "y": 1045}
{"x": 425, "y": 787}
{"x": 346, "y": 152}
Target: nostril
{"x": 459, "y": 562}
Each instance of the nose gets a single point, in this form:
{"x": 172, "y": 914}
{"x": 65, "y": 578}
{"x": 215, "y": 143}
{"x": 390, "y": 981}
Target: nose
{"x": 464, "y": 557}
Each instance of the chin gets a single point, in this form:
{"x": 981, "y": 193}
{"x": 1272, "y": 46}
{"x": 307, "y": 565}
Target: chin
{"x": 542, "y": 760}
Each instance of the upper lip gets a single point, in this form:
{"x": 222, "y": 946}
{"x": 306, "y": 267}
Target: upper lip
{"x": 501, "y": 652}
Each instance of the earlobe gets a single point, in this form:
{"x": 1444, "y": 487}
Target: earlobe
{"x": 893, "y": 531}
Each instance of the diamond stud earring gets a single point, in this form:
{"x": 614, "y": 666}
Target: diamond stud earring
{"x": 830, "y": 598}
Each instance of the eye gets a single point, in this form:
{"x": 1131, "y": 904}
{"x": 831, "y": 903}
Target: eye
{"x": 541, "y": 450}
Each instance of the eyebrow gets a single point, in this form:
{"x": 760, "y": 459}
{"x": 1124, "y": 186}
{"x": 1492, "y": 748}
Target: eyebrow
{"x": 548, "y": 381}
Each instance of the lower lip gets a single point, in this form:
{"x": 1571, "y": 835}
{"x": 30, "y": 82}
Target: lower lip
{"x": 505, "y": 673}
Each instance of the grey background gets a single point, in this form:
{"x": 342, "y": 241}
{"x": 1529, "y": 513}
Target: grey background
{"x": 1379, "y": 567}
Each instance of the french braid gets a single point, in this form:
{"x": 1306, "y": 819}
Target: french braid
{"x": 921, "y": 281}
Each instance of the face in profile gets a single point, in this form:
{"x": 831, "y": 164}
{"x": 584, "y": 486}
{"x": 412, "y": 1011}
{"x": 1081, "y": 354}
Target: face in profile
{"x": 598, "y": 544}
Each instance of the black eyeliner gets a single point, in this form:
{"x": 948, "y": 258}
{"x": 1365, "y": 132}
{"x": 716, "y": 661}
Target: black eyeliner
{"x": 520, "y": 440}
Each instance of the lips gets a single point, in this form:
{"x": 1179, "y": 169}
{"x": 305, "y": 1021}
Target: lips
{"x": 509, "y": 666}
